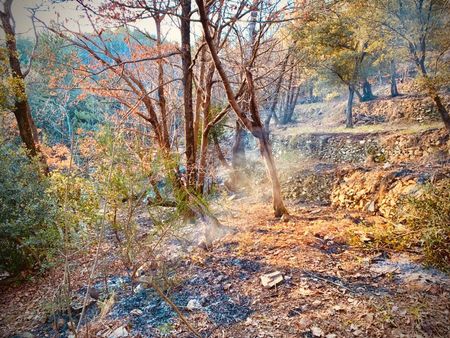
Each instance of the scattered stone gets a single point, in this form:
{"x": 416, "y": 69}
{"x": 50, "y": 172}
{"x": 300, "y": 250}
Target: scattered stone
{"x": 285, "y": 218}
{"x": 60, "y": 323}
{"x": 227, "y": 286}
{"x": 94, "y": 293}
{"x": 317, "y": 331}
{"x": 316, "y": 302}
{"x": 371, "y": 206}
{"x": 331, "y": 335}
{"x": 136, "y": 312}
{"x": 271, "y": 279}
{"x": 26, "y": 335}
{"x": 120, "y": 332}
{"x": 193, "y": 304}
{"x": 202, "y": 245}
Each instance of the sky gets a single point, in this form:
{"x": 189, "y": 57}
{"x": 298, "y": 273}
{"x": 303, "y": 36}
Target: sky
{"x": 68, "y": 10}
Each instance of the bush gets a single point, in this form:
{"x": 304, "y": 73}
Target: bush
{"x": 28, "y": 231}
{"x": 427, "y": 220}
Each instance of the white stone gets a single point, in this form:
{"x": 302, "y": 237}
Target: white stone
{"x": 136, "y": 312}
{"x": 193, "y": 305}
{"x": 272, "y": 279}
{"x": 120, "y": 332}
{"x": 317, "y": 331}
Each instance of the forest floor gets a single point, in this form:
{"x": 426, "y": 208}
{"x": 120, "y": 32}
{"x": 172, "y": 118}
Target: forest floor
{"x": 329, "y": 288}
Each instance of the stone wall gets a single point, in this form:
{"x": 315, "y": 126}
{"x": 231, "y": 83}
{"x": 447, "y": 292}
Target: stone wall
{"x": 367, "y": 148}
{"x": 333, "y": 148}
{"x": 310, "y": 185}
{"x": 419, "y": 108}
{"x": 381, "y": 191}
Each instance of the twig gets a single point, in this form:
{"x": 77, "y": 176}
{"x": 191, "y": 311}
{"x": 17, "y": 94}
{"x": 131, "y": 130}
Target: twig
{"x": 175, "y": 308}
{"x": 328, "y": 281}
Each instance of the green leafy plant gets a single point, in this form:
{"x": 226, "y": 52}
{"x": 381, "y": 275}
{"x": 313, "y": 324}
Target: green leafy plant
{"x": 29, "y": 235}
{"x": 427, "y": 220}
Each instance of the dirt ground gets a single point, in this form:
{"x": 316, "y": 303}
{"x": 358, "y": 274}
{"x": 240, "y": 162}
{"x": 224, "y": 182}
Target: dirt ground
{"x": 329, "y": 288}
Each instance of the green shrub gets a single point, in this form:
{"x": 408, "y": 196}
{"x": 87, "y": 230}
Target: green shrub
{"x": 28, "y": 232}
{"x": 427, "y": 220}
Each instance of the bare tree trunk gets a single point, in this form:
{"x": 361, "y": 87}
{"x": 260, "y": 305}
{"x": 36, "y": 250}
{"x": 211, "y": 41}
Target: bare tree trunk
{"x": 433, "y": 93}
{"x": 206, "y": 105}
{"x": 219, "y": 152}
{"x": 394, "y": 89}
{"x": 277, "y": 197}
{"x": 276, "y": 95}
{"x": 22, "y": 111}
{"x": 254, "y": 125}
{"x": 161, "y": 91}
{"x": 349, "y": 110}
{"x": 293, "y": 104}
{"x": 367, "y": 91}
{"x": 442, "y": 111}
{"x": 199, "y": 95}
{"x": 187, "y": 90}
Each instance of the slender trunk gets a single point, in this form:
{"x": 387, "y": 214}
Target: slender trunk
{"x": 288, "y": 97}
{"x": 433, "y": 93}
{"x": 311, "y": 91}
{"x": 22, "y": 111}
{"x": 293, "y": 104}
{"x": 367, "y": 91}
{"x": 187, "y": 90}
{"x": 394, "y": 89}
{"x": 238, "y": 149}
{"x": 161, "y": 91}
{"x": 206, "y": 105}
{"x": 277, "y": 196}
{"x": 442, "y": 111}
{"x": 219, "y": 152}
{"x": 238, "y": 155}
{"x": 276, "y": 95}
{"x": 358, "y": 94}
{"x": 349, "y": 110}
{"x": 238, "y": 152}
{"x": 254, "y": 125}
{"x": 199, "y": 96}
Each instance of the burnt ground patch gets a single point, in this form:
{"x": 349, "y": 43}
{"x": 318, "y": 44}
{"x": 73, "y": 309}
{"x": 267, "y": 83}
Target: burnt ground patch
{"x": 206, "y": 287}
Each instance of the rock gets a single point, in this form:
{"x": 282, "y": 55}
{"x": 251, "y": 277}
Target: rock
{"x": 136, "y": 312}
{"x": 271, "y": 279}
{"x": 26, "y": 335}
{"x": 202, "y": 245}
{"x": 139, "y": 288}
{"x": 193, "y": 304}
{"x": 317, "y": 331}
{"x": 331, "y": 335}
{"x": 371, "y": 206}
{"x": 120, "y": 332}
{"x": 94, "y": 293}
{"x": 227, "y": 286}
{"x": 285, "y": 218}
{"x": 60, "y": 323}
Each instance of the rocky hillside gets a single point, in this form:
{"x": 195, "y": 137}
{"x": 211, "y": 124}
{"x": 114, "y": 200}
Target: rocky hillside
{"x": 366, "y": 170}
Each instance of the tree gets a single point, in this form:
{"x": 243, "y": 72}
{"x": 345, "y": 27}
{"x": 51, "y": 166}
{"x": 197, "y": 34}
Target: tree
{"x": 252, "y": 124}
{"x": 21, "y": 107}
{"x": 333, "y": 38}
{"x": 420, "y": 25}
